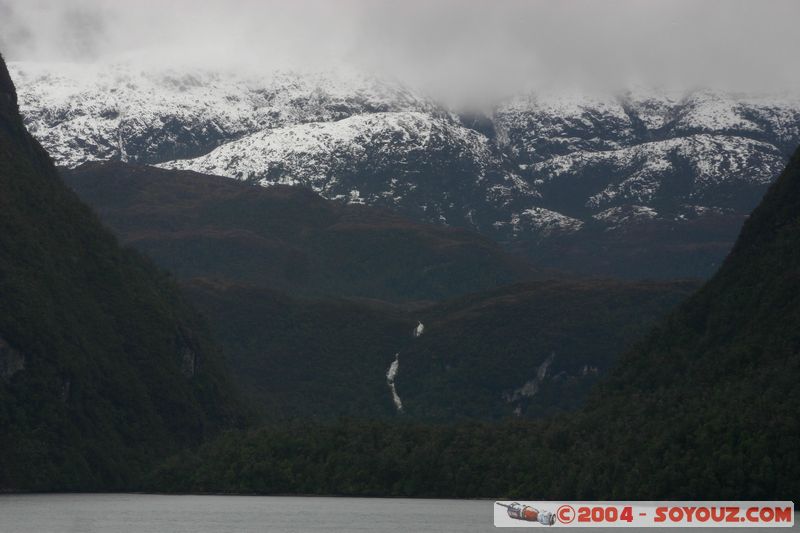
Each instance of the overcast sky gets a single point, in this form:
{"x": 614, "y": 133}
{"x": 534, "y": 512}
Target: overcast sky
{"x": 451, "y": 46}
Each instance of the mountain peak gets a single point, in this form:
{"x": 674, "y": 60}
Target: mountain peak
{"x": 7, "y": 92}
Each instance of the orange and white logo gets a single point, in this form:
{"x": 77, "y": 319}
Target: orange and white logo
{"x": 644, "y": 514}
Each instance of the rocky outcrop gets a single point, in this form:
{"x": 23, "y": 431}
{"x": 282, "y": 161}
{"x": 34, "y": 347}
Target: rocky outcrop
{"x": 188, "y": 362}
{"x": 188, "y": 353}
{"x": 11, "y": 361}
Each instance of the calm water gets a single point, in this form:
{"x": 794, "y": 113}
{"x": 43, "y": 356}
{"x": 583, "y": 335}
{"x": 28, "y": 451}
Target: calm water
{"x": 140, "y": 513}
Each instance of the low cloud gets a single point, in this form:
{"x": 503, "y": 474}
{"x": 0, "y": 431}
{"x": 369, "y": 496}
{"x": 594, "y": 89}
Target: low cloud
{"x": 459, "y": 49}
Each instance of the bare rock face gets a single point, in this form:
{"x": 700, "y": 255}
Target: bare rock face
{"x": 11, "y": 361}
{"x": 188, "y": 362}
{"x": 188, "y": 353}
{"x": 66, "y": 387}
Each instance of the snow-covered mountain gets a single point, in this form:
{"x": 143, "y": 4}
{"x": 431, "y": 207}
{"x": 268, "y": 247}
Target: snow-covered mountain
{"x": 542, "y": 172}
{"x": 318, "y": 155}
{"x": 651, "y": 150}
{"x": 414, "y": 162}
{"x": 700, "y": 168}
{"x": 83, "y": 112}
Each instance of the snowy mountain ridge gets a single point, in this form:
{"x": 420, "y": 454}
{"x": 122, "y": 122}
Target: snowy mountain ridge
{"x": 540, "y": 167}
{"x": 86, "y": 113}
{"x": 316, "y": 154}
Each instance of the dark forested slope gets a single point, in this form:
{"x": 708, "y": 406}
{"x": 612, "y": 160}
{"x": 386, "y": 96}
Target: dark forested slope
{"x": 276, "y": 271}
{"x": 705, "y": 407}
{"x": 103, "y": 366}
{"x": 287, "y": 238}
{"x": 523, "y": 350}
{"x": 714, "y": 390}
{"x": 309, "y": 358}
{"x": 529, "y": 350}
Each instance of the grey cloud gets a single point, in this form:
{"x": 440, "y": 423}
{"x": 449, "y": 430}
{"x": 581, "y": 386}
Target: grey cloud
{"x": 459, "y": 48}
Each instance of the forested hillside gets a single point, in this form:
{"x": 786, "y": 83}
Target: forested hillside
{"x": 714, "y": 388}
{"x": 104, "y": 367}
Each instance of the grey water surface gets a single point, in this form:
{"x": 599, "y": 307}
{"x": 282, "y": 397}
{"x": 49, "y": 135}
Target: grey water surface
{"x": 151, "y": 513}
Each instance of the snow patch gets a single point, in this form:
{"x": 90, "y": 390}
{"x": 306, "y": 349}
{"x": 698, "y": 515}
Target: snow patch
{"x": 617, "y": 216}
{"x": 543, "y": 222}
{"x": 531, "y": 387}
{"x": 391, "y": 374}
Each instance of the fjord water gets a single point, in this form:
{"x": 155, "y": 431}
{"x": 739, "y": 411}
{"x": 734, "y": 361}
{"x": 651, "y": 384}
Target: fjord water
{"x": 152, "y": 513}
{"x": 146, "y": 513}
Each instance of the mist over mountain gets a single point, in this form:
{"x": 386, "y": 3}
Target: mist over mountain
{"x": 469, "y": 52}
